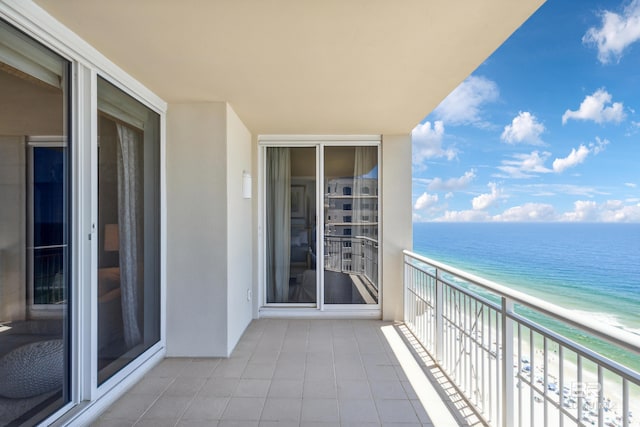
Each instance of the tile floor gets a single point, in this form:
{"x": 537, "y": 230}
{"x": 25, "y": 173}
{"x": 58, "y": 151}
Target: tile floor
{"x": 282, "y": 373}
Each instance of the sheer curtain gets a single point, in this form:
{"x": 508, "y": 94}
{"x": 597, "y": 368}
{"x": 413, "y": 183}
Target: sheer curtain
{"x": 128, "y": 214}
{"x": 366, "y": 158}
{"x": 278, "y": 236}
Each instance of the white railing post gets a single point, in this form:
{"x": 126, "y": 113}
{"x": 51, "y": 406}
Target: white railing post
{"x": 405, "y": 294}
{"x": 439, "y": 318}
{"x": 507, "y": 391}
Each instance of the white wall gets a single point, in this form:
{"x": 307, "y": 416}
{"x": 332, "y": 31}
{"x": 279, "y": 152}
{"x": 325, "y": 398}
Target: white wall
{"x": 396, "y": 220}
{"x": 239, "y": 229}
{"x": 196, "y": 230}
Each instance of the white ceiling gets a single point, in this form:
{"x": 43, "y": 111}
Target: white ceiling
{"x": 300, "y": 66}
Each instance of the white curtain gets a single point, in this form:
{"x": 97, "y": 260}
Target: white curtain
{"x": 278, "y": 236}
{"x": 366, "y": 159}
{"x": 128, "y": 213}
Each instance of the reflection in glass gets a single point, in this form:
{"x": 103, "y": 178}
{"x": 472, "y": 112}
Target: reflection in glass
{"x": 34, "y": 230}
{"x": 291, "y": 246}
{"x": 351, "y": 225}
{"x": 128, "y": 227}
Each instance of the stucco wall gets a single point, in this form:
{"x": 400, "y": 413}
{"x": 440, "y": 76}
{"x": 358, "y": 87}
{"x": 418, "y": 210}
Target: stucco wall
{"x": 239, "y": 230}
{"x": 196, "y": 230}
{"x": 396, "y": 220}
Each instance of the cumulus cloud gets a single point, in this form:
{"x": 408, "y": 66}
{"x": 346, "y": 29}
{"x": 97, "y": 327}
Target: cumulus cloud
{"x": 596, "y": 107}
{"x": 487, "y": 200}
{"x": 427, "y": 142}
{"x": 609, "y": 211}
{"x": 525, "y": 165}
{"x": 524, "y": 128}
{"x": 426, "y": 201}
{"x": 529, "y": 212}
{"x": 573, "y": 159}
{"x": 463, "y": 105}
{"x": 464, "y": 216}
{"x": 452, "y": 184}
{"x": 631, "y": 184}
{"x": 616, "y": 33}
{"x": 583, "y": 211}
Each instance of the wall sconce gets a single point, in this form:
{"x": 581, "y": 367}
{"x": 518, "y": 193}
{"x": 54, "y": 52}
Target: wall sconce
{"x": 246, "y": 185}
{"x": 111, "y": 238}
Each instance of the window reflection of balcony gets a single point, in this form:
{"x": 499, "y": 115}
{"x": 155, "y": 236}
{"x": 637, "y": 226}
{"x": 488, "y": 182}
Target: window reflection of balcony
{"x": 357, "y": 257}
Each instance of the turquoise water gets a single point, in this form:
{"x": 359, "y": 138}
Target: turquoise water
{"x": 591, "y": 268}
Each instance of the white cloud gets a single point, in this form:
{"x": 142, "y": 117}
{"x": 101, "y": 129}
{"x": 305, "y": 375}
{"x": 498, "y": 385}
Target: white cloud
{"x": 593, "y": 107}
{"x": 463, "y": 105}
{"x": 573, "y": 159}
{"x": 525, "y": 165}
{"x": 616, "y": 33}
{"x": 487, "y": 200}
{"x": 523, "y": 128}
{"x": 426, "y": 201}
{"x": 609, "y": 211}
{"x": 583, "y": 211}
{"x": 631, "y": 184}
{"x": 427, "y": 142}
{"x": 452, "y": 184}
{"x": 598, "y": 146}
{"x": 449, "y": 195}
{"x": 527, "y": 213}
{"x": 464, "y": 216}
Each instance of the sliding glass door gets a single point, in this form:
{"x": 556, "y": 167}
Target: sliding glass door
{"x": 351, "y": 225}
{"x": 128, "y": 229}
{"x": 35, "y": 303}
{"x": 334, "y": 225}
{"x": 291, "y": 225}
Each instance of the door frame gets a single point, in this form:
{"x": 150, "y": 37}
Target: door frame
{"x": 319, "y": 309}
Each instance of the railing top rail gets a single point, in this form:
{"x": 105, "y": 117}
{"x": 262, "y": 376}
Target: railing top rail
{"x": 609, "y": 333}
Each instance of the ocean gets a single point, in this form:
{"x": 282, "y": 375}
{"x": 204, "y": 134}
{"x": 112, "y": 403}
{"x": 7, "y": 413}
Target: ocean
{"x": 591, "y": 268}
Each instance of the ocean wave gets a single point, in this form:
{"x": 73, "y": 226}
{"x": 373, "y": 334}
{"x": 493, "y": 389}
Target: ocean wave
{"x": 606, "y": 318}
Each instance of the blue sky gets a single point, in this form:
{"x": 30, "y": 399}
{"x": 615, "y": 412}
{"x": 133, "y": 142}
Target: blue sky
{"x": 546, "y": 129}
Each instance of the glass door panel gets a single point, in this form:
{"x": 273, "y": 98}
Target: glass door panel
{"x": 128, "y": 229}
{"x": 291, "y": 243}
{"x": 350, "y": 225}
{"x": 34, "y": 231}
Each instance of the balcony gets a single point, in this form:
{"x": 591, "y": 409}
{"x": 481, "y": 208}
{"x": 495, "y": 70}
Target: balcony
{"x": 298, "y": 372}
{"x": 468, "y": 353}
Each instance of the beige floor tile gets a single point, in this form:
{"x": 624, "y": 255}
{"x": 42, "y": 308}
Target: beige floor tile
{"x": 205, "y": 409}
{"x": 320, "y": 389}
{"x": 219, "y": 387}
{"x": 244, "y": 408}
{"x": 281, "y": 409}
{"x": 130, "y": 407}
{"x": 167, "y": 407}
{"x": 285, "y": 388}
{"x": 357, "y": 410}
{"x": 353, "y": 389}
{"x": 200, "y": 368}
{"x": 252, "y": 388}
{"x": 259, "y": 370}
{"x": 382, "y": 389}
{"x": 320, "y": 410}
{"x": 396, "y": 411}
{"x": 187, "y": 387}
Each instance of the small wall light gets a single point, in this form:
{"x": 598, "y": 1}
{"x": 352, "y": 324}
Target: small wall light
{"x": 246, "y": 185}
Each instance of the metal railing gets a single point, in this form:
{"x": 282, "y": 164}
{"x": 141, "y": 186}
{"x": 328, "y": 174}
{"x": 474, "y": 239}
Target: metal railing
{"x": 514, "y": 370}
{"x": 352, "y": 255}
{"x": 48, "y": 274}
